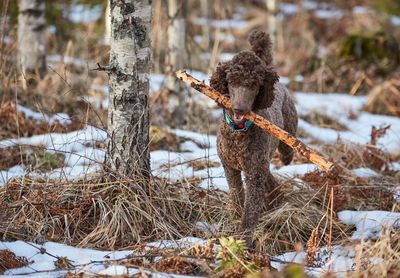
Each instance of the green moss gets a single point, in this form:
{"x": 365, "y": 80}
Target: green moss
{"x": 391, "y": 7}
{"x": 379, "y": 48}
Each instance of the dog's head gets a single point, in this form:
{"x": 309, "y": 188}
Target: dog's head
{"x": 248, "y": 82}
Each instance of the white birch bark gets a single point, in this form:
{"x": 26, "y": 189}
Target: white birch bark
{"x": 176, "y": 58}
{"x": 107, "y": 24}
{"x": 128, "y": 115}
{"x": 32, "y": 38}
{"x": 176, "y": 41}
{"x": 272, "y": 19}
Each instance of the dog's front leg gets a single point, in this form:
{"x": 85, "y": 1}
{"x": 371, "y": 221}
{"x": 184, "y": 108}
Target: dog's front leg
{"x": 236, "y": 191}
{"x": 255, "y": 201}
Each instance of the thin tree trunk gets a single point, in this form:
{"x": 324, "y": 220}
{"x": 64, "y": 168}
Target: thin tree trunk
{"x": 272, "y": 7}
{"x": 107, "y": 24}
{"x": 31, "y": 38}
{"x": 128, "y": 115}
{"x": 175, "y": 58}
{"x": 206, "y": 28}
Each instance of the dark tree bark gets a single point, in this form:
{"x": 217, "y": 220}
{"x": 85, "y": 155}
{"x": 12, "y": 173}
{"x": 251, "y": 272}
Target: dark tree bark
{"x": 128, "y": 116}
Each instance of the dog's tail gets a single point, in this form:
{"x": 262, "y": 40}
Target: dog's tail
{"x": 261, "y": 45}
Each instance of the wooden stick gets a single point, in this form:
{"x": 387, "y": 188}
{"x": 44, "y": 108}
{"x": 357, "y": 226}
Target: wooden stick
{"x": 261, "y": 122}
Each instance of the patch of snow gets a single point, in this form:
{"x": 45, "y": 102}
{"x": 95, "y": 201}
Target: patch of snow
{"x": 339, "y": 107}
{"x": 395, "y": 20}
{"x": 84, "y": 260}
{"x": 286, "y": 80}
{"x": 68, "y": 60}
{"x": 79, "y": 13}
{"x": 221, "y": 23}
{"x": 51, "y": 29}
{"x": 7, "y": 40}
{"x": 45, "y": 262}
{"x": 369, "y": 223}
{"x": 202, "y": 139}
{"x": 62, "y": 118}
{"x": 394, "y": 166}
{"x": 79, "y": 158}
{"x": 116, "y": 270}
{"x": 15, "y": 171}
{"x": 223, "y": 57}
{"x": 364, "y": 172}
{"x": 361, "y": 10}
{"x": 288, "y": 8}
{"x": 297, "y": 169}
{"x": 156, "y": 81}
{"x": 310, "y": 5}
{"x": 328, "y": 14}
{"x": 340, "y": 261}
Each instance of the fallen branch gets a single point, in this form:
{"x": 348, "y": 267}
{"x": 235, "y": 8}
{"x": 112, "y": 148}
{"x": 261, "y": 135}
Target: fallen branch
{"x": 261, "y": 122}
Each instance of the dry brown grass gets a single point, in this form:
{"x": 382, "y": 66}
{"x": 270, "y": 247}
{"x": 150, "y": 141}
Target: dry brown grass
{"x": 385, "y": 98}
{"x": 378, "y": 258}
{"x": 9, "y": 260}
{"x": 300, "y": 213}
{"x": 103, "y": 213}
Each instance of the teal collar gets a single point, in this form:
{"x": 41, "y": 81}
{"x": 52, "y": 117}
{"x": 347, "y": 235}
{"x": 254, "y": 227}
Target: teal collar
{"x": 244, "y": 127}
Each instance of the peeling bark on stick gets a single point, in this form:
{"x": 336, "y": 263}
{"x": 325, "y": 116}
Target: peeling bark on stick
{"x": 128, "y": 115}
{"x": 261, "y": 122}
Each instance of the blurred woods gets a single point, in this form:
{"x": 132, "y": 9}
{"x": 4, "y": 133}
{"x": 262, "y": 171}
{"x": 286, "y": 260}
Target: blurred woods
{"x": 353, "y": 48}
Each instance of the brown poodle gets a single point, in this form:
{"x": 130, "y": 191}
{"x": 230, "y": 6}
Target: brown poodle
{"x": 251, "y": 83}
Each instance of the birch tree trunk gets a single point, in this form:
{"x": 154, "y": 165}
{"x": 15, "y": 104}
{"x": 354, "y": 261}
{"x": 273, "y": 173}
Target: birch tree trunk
{"x": 205, "y": 13}
{"x": 107, "y": 24}
{"x": 272, "y": 19}
{"x": 175, "y": 58}
{"x": 128, "y": 115}
{"x": 31, "y": 38}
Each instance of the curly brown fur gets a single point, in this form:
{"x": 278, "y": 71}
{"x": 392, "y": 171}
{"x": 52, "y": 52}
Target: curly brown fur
{"x": 251, "y": 83}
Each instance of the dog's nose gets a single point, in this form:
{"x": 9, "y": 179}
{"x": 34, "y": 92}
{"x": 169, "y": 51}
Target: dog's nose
{"x": 238, "y": 111}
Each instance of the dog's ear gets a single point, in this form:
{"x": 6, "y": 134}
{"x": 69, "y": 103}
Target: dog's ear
{"x": 219, "y": 80}
{"x": 266, "y": 95}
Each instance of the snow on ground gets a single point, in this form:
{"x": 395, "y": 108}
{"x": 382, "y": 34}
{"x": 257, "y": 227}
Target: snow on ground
{"x": 340, "y": 107}
{"x": 62, "y": 118}
{"x": 369, "y": 223}
{"x": 85, "y": 260}
{"x": 340, "y": 259}
{"x": 81, "y": 159}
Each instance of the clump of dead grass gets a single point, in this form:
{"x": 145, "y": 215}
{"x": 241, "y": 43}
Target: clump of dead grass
{"x": 352, "y": 156}
{"x": 384, "y": 98}
{"x": 9, "y": 260}
{"x": 378, "y": 258}
{"x": 323, "y": 121}
{"x": 33, "y": 157}
{"x": 354, "y": 192}
{"x": 106, "y": 213}
{"x": 299, "y": 213}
